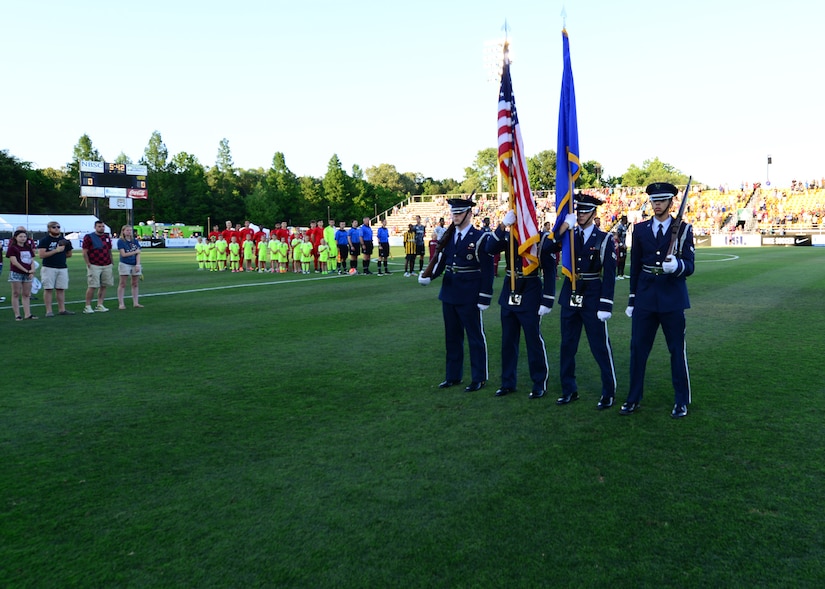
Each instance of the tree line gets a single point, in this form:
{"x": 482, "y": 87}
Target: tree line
{"x": 183, "y": 190}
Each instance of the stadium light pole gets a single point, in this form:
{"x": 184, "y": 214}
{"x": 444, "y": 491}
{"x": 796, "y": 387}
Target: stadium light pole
{"x": 768, "y": 172}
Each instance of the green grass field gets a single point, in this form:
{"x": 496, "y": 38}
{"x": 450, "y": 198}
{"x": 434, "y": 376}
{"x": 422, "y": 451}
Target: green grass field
{"x": 286, "y": 431}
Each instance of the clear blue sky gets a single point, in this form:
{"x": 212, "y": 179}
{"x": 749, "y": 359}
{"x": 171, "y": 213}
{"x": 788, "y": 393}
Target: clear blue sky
{"x": 711, "y": 87}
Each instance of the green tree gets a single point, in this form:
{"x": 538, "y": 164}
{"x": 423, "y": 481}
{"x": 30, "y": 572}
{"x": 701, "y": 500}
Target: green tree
{"x": 653, "y": 171}
{"x": 84, "y": 150}
{"x": 482, "y": 176}
{"x": 284, "y": 189}
{"x": 155, "y": 155}
{"x": 541, "y": 170}
{"x": 336, "y": 190}
{"x": 122, "y": 158}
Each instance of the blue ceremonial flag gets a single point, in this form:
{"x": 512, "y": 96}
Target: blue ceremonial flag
{"x": 568, "y": 166}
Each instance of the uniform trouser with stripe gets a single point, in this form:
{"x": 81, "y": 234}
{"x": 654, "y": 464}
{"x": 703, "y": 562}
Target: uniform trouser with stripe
{"x": 572, "y": 321}
{"x": 459, "y": 319}
{"x": 643, "y": 333}
{"x": 512, "y": 324}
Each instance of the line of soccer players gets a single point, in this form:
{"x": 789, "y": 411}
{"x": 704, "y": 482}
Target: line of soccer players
{"x": 319, "y": 249}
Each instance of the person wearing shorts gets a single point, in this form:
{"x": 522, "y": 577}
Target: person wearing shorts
{"x": 128, "y": 266}
{"x": 97, "y": 253}
{"x": 21, "y": 274}
{"x": 54, "y": 249}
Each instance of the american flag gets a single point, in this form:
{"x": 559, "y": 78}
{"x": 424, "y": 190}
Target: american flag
{"x": 514, "y": 173}
{"x": 568, "y": 167}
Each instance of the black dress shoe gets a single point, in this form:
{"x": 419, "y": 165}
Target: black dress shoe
{"x": 628, "y": 408}
{"x": 565, "y": 399}
{"x": 536, "y": 394}
{"x": 448, "y": 383}
{"x": 504, "y": 391}
{"x": 474, "y": 386}
{"x": 679, "y": 411}
{"x": 605, "y": 403}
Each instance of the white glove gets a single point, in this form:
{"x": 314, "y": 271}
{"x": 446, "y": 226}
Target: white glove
{"x": 423, "y": 281}
{"x": 509, "y": 218}
{"x": 544, "y": 310}
{"x": 605, "y": 315}
{"x": 629, "y": 311}
{"x": 483, "y": 307}
{"x": 570, "y": 220}
{"x": 670, "y": 265}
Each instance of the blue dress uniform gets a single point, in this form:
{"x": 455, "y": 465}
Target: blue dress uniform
{"x": 534, "y": 290}
{"x": 595, "y": 285}
{"x": 467, "y": 282}
{"x": 659, "y": 299}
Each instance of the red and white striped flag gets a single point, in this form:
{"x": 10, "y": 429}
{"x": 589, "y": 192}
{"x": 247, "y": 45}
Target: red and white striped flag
{"x": 514, "y": 173}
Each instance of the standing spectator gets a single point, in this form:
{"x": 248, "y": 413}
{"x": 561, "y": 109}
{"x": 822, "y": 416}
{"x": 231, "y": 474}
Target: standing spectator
{"x": 420, "y": 235}
{"x": 128, "y": 266}
{"x": 620, "y": 231}
{"x": 97, "y": 253}
{"x": 440, "y": 229}
{"x": 659, "y": 297}
{"x": 21, "y": 273}
{"x": 383, "y": 235}
{"x": 466, "y": 291}
{"x": 590, "y": 305}
{"x": 409, "y": 251}
{"x": 366, "y": 244}
{"x": 522, "y": 308}
{"x": 54, "y": 250}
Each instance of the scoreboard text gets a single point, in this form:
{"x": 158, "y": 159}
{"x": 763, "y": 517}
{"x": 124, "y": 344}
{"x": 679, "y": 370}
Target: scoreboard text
{"x": 109, "y": 180}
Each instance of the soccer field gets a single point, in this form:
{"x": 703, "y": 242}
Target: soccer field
{"x": 259, "y": 430}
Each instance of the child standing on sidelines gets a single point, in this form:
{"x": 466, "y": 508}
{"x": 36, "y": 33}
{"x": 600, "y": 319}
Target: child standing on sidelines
{"x": 211, "y": 255}
{"x": 306, "y": 255}
{"x": 234, "y": 254}
{"x": 263, "y": 253}
{"x": 200, "y": 253}
{"x": 274, "y": 249}
{"x": 297, "y": 253}
{"x": 222, "y": 247}
{"x": 248, "y": 253}
{"x": 323, "y": 255}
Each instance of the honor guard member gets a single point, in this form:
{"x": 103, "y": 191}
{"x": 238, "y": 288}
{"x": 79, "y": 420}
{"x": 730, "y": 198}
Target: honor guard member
{"x": 466, "y": 291}
{"x": 590, "y": 305}
{"x": 522, "y": 309}
{"x": 659, "y": 297}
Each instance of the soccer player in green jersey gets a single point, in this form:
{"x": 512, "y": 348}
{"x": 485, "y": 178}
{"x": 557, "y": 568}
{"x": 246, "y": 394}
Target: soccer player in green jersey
{"x": 234, "y": 254}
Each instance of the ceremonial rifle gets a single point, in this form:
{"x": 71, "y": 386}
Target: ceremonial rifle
{"x": 677, "y": 222}
{"x": 442, "y": 243}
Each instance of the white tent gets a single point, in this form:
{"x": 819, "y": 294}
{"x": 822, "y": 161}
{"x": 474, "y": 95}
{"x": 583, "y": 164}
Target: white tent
{"x": 80, "y": 224}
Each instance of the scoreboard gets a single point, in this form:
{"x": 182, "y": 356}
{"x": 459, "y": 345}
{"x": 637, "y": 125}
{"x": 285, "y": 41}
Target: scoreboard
{"x": 109, "y": 180}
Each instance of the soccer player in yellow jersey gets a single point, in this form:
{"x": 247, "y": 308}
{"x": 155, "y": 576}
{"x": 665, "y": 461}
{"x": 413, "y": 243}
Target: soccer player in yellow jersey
{"x": 306, "y": 255}
{"x": 274, "y": 247}
{"x": 222, "y": 247}
{"x": 263, "y": 253}
{"x": 249, "y": 253}
{"x": 200, "y": 253}
{"x": 234, "y": 254}
{"x": 323, "y": 255}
